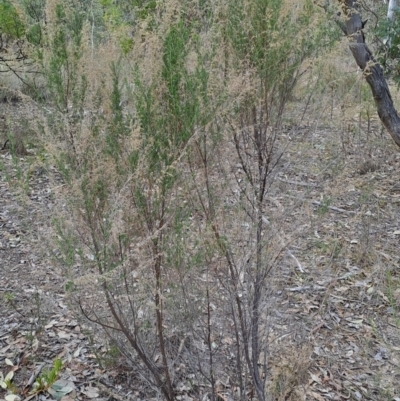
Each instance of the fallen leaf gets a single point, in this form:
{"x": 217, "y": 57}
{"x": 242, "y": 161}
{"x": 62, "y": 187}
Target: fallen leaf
{"x": 50, "y": 324}
{"x": 35, "y": 344}
{"x": 92, "y": 392}
{"x": 12, "y": 397}
{"x": 317, "y": 396}
{"x": 5, "y": 349}
{"x": 61, "y": 388}
{"x": 64, "y": 335}
{"x": 9, "y": 376}
{"x": 314, "y": 378}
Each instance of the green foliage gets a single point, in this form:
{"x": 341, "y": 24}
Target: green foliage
{"x": 118, "y": 127}
{"x": 66, "y": 243}
{"x": 122, "y": 16}
{"x": 113, "y": 14}
{"x": 145, "y": 8}
{"x": 6, "y": 382}
{"x": 44, "y": 382}
{"x": 271, "y": 42}
{"x": 323, "y": 207}
{"x": 109, "y": 359}
{"x": 168, "y": 126}
{"x": 250, "y": 30}
{"x": 35, "y": 10}
{"x": 47, "y": 379}
{"x": 62, "y": 55}
{"x": 389, "y": 50}
{"x": 35, "y": 16}
{"x": 34, "y": 34}
{"x": 10, "y": 21}
{"x": 126, "y": 45}
{"x": 118, "y": 13}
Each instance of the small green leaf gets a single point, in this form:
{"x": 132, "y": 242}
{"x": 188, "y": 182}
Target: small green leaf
{"x": 58, "y": 364}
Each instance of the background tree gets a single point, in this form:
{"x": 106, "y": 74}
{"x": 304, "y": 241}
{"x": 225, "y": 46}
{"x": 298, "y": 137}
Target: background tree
{"x": 353, "y": 26}
{"x": 13, "y": 54}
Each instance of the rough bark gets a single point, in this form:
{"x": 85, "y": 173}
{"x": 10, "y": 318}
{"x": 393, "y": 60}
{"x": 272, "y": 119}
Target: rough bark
{"x": 372, "y": 70}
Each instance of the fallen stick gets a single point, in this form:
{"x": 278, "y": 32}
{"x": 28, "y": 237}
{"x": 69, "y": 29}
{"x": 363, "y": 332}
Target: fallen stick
{"x": 299, "y": 183}
{"x": 306, "y": 287}
{"x": 335, "y": 209}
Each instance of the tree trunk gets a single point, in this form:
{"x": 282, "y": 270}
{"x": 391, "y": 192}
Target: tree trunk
{"x": 372, "y": 70}
{"x": 391, "y": 8}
